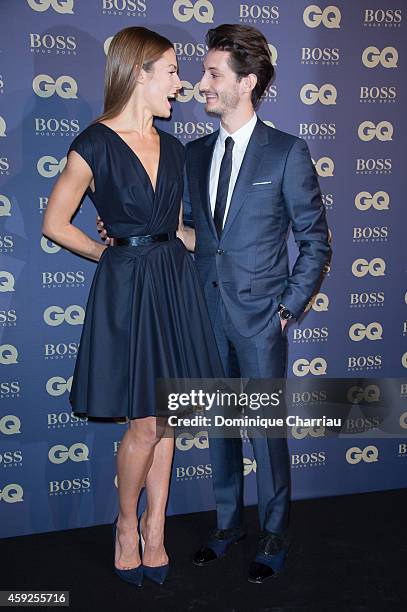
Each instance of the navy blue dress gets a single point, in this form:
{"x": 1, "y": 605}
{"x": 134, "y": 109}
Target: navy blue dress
{"x": 146, "y": 315}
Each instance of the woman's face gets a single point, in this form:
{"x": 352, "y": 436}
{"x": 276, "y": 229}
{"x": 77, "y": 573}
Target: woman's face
{"x": 162, "y": 83}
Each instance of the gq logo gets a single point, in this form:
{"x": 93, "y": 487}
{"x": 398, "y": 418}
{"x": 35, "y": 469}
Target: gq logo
{"x": 185, "y": 441}
{"x": 60, "y": 453}
{"x": 57, "y": 385}
{"x": 12, "y": 493}
{"x": 374, "y": 267}
{"x": 249, "y": 466}
{"x": 185, "y": 10}
{"x": 5, "y": 206}
{"x": 65, "y": 86}
{"x": 326, "y": 94}
{"x": 55, "y": 315}
{"x": 379, "y": 200}
{"x": 355, "y": 454}
{"x": 403, "y": 360}
{"x": 383, "y": 131}
{"x": 372, "y": 331}
{"x": 319, "y": 302}
{"x": 190, "y": 91}
{"x": 302, "y": 432}
{"x": 60, "y": 6}
{"x": 316, "y": 367}
{"x": 6, "y": 281}
{"x": 403, "y": 420}
{"x": 273, "y": 54}
{"x": 372, "y": 57}
{"x": 324, "y": 166}
{"x": 2, "y": 127}
{"x": 370, "y": 393}
{"x": 8, "y": 354}
{"x": 10, "y": 424}
{"x": 49, "y": 247}
{"x": 330, "y": 16}
{"x": 48, "y": 166}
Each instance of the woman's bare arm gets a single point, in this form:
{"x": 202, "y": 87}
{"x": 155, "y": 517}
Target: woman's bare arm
{"x": 186, "y": 234}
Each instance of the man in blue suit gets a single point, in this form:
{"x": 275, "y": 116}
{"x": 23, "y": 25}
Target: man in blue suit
{"x": 246, "y": 184}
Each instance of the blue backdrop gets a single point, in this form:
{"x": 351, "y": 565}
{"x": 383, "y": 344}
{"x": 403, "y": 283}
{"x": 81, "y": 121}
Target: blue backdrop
{"x": 339, "y": 85}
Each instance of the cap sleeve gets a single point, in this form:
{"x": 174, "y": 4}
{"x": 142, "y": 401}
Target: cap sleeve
{"x": 82, "y": 144}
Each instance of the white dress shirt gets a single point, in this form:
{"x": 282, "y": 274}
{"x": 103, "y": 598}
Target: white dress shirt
{"x": 241, "y": 138}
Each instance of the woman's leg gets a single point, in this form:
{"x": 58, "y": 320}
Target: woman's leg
{"x": 134, "y": 459}
{"x": 157, "y": 485}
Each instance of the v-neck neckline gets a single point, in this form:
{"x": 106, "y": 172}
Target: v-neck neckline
{"x": 154, "y": 189}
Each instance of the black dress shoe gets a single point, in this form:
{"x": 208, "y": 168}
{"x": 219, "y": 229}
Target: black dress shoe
{"x": 270, "y": 557}
{"x": 217, "y": 545}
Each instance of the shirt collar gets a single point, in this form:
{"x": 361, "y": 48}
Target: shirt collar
{"x": 241, "y": 136}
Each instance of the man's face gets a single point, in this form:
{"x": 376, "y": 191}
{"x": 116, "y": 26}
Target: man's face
{"x": 219, "y": 84}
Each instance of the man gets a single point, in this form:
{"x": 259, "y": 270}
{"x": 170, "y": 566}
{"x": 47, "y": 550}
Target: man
{"x": 245, "y": 184}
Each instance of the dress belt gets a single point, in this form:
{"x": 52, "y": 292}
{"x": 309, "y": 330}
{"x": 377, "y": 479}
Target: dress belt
{"x": 140, "y": 240}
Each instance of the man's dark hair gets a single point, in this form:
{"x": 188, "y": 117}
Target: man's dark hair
{"x": 249, "y": 53}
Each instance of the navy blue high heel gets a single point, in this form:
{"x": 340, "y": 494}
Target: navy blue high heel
{"x": 133, "y": 575}
{"x": 155, "y": 574}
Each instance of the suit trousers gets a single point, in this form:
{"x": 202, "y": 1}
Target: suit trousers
{"x": 261, "y": 356}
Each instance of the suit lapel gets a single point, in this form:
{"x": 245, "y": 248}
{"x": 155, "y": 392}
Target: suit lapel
{"x": 204, "y": 172}
{"x": 247, "y": 172}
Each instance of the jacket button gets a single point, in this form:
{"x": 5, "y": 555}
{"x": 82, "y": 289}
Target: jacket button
{"x": 220, "y": 251}
{"x": 214, "y": 284}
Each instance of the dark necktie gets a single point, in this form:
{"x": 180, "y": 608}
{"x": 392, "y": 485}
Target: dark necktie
{"x": 223, "y": 185}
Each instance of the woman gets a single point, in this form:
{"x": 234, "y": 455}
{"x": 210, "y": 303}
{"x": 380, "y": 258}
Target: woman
{"x": 146, "y": 314}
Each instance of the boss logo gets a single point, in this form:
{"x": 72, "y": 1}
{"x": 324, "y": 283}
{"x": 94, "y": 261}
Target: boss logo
{"x": 4, "y": 165}
{"x": 315, "y": 334}
{"x": 3, "y": 127}
{"x": 190, "y": 91}
{"x": 48, "y": 166}
{"x": 12, "y": 493}
{"x": 382, "y": 131}
{"x": 355, "y": 454}
{"x": 1, "y": 83}
{"x": 386, "y": 17}
{"x": 55, "y": 315}
{"x": 11, "y": 458}
{"x": 323, "y": 131}
{"x": 324, "y": 166}
{"x": 374, "y": 234}
{"x": 5, "y": 206}
{"x": 61, "y": 350}
{"x": 59, "y": 279}
{"x": 373, "y": 298}
{"x": 185, "y": 441}
{"x": 8, "y": 354}
{"x": 131, "y": 6}
{"x": 62, "y": 419}
{"x": 46, "y": 43}
{"x": 6, "y": 281}
{"x": 379, "y": 200}
{"x": 60, "y": 6}
{"x": 326, "y": 94}
{"x": 316, "y": 367}
{"x": 314, "y": 16}
{"x": 383, "y": 94}
{"x": 42, "y": 203}
{"x": 372, "y": 331}
{"x": 363, "y": 362}
{"x": 265, "y": 12}
{"x": 52, "y": 126}
{"x": 327, "y": 200}
{"x": 76, "y": 485}
{"x": 49, "y": 247}
{"x": 387, "y": 58}
{"x": 319, "y": 302}
{"x": 76, "y": 452}
{"x": 359, "y": 395}
{"x": 308, "y": 459}
{"x": 192, "y": 128}
{"x": 193, "y": 471}
{"x": 57, "y": 385}
{"x": 9, "y": 389}
{"x": 200, "y": 10}
{"x": 361, "y": 424}
{"x": 186, "y": 51}
{"x": 309, "y": 397}
{"x": 6, "y": 243}
{"x": 402, "y": 449}
{"x": 374, "y": 267}
{"x": 10, "y": 425}
{"x": 373, "y": 166}
{"x": 270, "y": 94}
{"x": 8, "y": 317}
{"x": 316, "y": 55}
{"x": 299, "y": 433}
